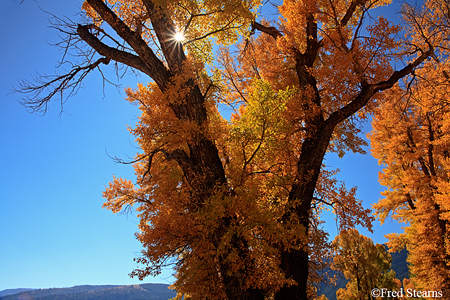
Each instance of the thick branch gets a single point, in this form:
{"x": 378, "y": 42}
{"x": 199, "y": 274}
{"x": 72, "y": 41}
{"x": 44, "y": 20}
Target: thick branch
{"x": 367, "y": 91}
{"x": 410, "y": 201}
{"x": 158, "y": 71}
{"x": 112, "y": 53}
{"x": 351, "y": 9}
{"x": 413, "y": 148}
{"x": 312, "y": 42}
{"x": 165, "y": 31}
{"x": 272, "y": 31}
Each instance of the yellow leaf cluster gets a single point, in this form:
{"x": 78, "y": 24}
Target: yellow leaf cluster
{"x": 365, "y": 264}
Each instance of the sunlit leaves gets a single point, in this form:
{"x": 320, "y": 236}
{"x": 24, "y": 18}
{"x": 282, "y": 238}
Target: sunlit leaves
{"x": 258, "y": 132}
{"x": 365, "y": 264}
{"x": 411, "y": 140}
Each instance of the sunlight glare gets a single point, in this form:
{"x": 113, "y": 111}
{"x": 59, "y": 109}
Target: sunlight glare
{"x": 179, "y": 37}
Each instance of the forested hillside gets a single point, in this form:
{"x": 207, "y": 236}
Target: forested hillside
{"x": 99, "y": 292}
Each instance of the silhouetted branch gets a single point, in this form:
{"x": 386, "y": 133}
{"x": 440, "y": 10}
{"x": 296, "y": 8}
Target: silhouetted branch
{"x": 272, "y": 31}
{"x": 46, "y": 87}
{"x": 78, "y": 61}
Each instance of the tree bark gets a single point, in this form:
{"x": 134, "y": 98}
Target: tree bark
{"x": 295, "y": 262}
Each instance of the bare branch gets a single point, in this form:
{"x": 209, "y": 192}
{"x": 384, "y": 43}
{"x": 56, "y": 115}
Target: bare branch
{"x": 70, "y": 82}
{"x": 112, "y": 53}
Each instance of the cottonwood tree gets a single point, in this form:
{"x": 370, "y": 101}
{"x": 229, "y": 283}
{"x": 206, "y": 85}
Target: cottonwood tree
{"x": 235, "y": 204}
{"x": 411, "y": 139}
{"x": 365, "y": 264}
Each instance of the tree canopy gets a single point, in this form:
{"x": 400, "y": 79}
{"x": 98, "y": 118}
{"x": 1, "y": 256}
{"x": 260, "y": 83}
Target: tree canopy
{"x": 235, "y": 204}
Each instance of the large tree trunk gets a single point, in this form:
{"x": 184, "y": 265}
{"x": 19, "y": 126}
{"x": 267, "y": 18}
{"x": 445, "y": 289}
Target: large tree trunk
{"x": 294, "y": 262}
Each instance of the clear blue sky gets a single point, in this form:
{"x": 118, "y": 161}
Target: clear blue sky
{"x": 53, "y": 168}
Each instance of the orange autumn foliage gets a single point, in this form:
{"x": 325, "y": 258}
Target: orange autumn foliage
{"x": 412, "y": 139}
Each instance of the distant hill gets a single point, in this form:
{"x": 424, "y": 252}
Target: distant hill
{"x": 13, "y": 291}
{"x": 399, "y": 265}
{"x": 329, "y": 290}
{"x": 150, "y": 291}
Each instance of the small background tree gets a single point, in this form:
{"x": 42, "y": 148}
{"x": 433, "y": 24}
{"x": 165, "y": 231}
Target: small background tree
{"x": 365, "y": 264}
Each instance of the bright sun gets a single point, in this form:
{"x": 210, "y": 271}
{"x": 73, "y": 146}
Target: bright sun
{"x": 179, "y": 37}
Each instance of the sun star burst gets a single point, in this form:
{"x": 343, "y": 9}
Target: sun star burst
{"x": 179, "y": 37}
